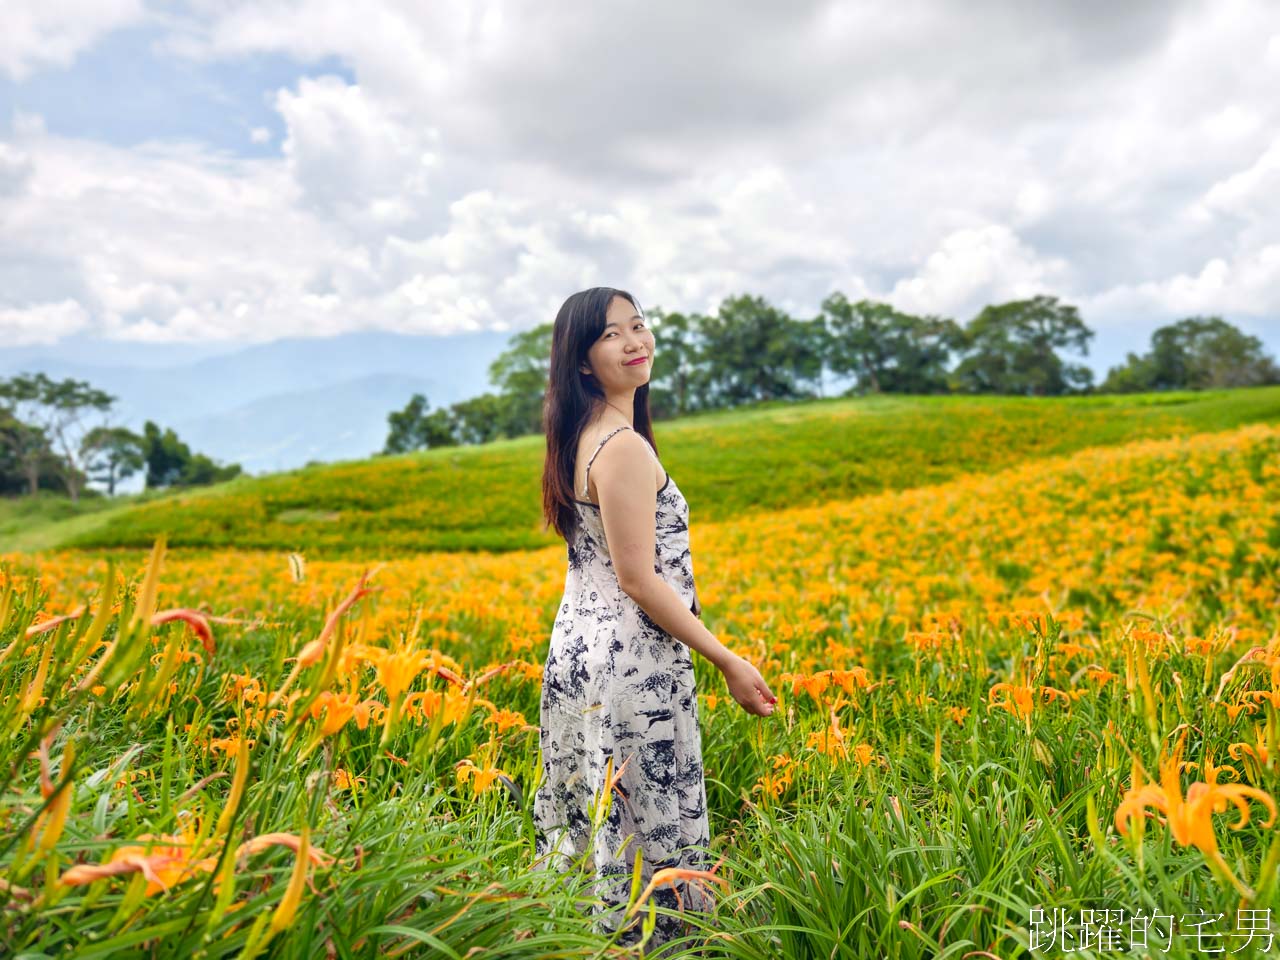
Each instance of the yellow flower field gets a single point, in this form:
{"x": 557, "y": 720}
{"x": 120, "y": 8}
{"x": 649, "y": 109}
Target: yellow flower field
{"x": 1007, "y": 700}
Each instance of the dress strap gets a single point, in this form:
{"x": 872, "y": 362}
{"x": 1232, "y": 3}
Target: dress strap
{"x": 586, "y": 483}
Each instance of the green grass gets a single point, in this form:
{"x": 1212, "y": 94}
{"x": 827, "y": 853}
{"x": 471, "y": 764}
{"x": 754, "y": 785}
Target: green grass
{"x": 38, "y": 522}
{"x": 728, "y": 464}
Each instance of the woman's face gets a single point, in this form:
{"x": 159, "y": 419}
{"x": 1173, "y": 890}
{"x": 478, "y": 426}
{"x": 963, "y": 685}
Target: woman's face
{"x": 621, "y": 358}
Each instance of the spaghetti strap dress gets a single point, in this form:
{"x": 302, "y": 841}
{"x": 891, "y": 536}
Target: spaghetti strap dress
{"x": 619, "y": 705}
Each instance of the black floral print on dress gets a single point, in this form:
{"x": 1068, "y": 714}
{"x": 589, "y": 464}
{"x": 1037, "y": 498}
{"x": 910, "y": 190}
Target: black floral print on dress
{"x": 618, "y": 687}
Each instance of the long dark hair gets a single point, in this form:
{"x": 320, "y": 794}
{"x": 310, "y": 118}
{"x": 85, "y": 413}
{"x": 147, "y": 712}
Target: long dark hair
{"x": 570, "y": 396}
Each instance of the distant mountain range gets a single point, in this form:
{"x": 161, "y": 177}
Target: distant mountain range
{"x": 272, "y": 406}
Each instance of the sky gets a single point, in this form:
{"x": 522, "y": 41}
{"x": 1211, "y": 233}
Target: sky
{"x": 237, "y": 172}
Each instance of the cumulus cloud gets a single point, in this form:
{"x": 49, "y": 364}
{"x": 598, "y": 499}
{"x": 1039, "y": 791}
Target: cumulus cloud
{"x": 490, "y": 159}
{"x": 44, "y": 33}
{"x": 15, "y": 169}
{"x": 352, "y": 157}
{"x": 978, "y": 266}
{"x": 43, "y": 323}
{"x": 1246, "y": 285}
{"x": 171, "y": 243}
{"x": 1252, "y": 193}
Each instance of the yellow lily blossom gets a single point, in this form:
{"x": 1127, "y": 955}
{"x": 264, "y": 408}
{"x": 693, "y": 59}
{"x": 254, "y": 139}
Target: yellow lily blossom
{"x": 482, "y": 778}
{"x": 1189, "y": 819}
{"x": 1021, "y": 700}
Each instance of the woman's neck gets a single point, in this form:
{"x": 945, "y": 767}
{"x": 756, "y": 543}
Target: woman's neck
{"x": 607, "y": 410}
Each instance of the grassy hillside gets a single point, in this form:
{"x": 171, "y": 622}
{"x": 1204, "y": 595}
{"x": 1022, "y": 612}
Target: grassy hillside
{"x": 986, "y": 690}
{"x": 728, "y": 464}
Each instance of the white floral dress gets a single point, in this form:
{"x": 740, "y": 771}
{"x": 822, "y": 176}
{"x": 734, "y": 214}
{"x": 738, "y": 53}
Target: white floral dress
{"x": 616, "y": 685}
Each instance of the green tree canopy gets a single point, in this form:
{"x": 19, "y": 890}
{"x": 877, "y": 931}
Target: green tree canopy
{"x": 57, "y": 409}
{"x": 26, "y": 459}
{"x": 753, "y": 351}
{"x": 520, "y": 374}
{"x": 480, "y": 419}
{"x": 417, "y": 428}
{"x": 1195, "y": 353}
{"x": 887, "y": 350}
{"x": 674, "y": 389}
{"x": 112, "y": 454}
{"x": 1012, "y": 348}
{"x": 170, "y": 462}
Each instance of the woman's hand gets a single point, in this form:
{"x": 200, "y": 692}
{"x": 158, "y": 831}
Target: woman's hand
{"x": 748, "y": 687}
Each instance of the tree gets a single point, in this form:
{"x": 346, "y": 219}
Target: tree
{"x": 164, "y": 454}
{"x": 673, "y": 387}
{"x": 24, "y": 450}
{"x": 479, "y": 419}
{"x": 753, "y": 351}
{"x": 112, "y": 454}
{"x": 1135, "y": 375}
{"x": 1011, "y": 348}
{"x": 201, "y": 471}
{"x": 170, "y": 462}
{"x": 1196, "y": 353}
{"x": 413, "y": 428}
{"x": 521, "y": 374}
{"x": 888, "y": 350}
{"x": 56, "y": 409}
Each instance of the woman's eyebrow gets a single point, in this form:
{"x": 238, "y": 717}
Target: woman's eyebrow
{"x": 614, "y": 323}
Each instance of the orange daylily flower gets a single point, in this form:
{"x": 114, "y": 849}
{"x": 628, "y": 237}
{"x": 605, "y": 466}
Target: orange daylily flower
{"x": 194, "y": 619}
{"x": 397, "y": 671}
{"x": 674, "y": 875}
{"x": 313, "y": 651}
{"x": 366, "y": 710}
{"x": 170, "y": 860}
{"x": 506, "y": 719}
{"x": 1021, "y": 700}
{"x": 174, "y": 858}
{"x": 1189, "y": 819}
{"x": 48, "y": 826}
{"x": 828, "y": 741}
{"x": 1272, "y": 696}
{"x": 342, "y": 780}
{"x": 1256, "y": 751}
{"x": 482, "y": 778}
{"x": 333, "y": 710}
{"x": 44, "y": 626}
{"x": 776, "y": 784}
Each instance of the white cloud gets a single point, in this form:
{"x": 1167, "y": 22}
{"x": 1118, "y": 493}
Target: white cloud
{"x": 1232, "y": 122}
{"x": 355, "y": 159}
{"x": 49, "y": 33}
{"x": 43, "y": 323}
{"x": 1244, "y": 285}
{"x": 1251, "y": 193}
{"x": 490, "y": 159}
{"x": 15, "y": 169}
{"x": 978, "y": 266}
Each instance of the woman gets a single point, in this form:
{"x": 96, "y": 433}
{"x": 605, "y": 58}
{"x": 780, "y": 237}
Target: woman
{"x": 619, "y": 706}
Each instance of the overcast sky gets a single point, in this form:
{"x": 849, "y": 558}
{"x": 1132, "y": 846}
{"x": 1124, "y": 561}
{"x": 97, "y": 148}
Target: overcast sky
{"x": 247, "y": 171}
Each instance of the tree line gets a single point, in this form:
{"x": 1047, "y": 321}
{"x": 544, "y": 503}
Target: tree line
{"x": 749, "y": 351}
{"x": 43, "y": 443}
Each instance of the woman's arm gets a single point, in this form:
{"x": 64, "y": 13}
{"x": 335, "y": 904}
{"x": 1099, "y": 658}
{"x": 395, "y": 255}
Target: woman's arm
{"x": 628, "y": 503}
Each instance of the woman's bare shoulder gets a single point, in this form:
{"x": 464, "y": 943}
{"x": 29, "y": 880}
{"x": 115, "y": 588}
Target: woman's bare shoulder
{"x": 626, "y": 452}
{"x": 619, "y": 443}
